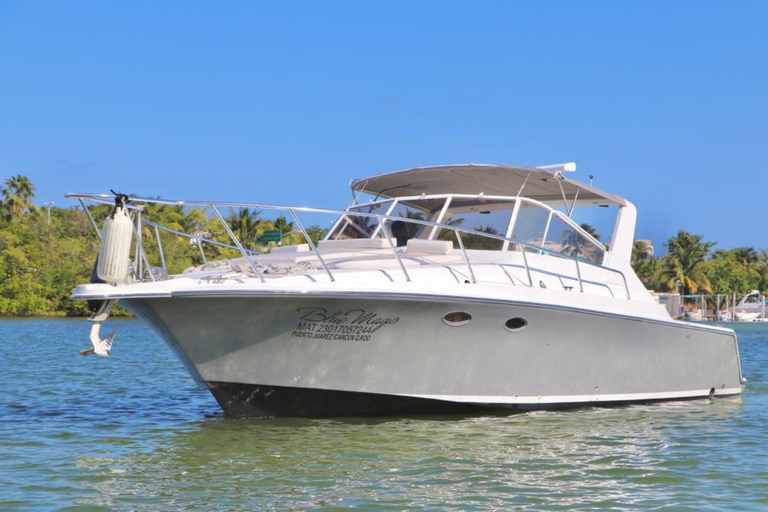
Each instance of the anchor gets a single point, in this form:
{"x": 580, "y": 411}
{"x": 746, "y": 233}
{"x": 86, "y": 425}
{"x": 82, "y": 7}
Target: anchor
{"x": 100, "y": 347}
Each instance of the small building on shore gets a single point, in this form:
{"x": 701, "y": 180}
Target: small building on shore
{"x": 648, "y": 247}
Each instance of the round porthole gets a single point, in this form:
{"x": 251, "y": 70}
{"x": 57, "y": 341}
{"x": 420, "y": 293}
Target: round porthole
{"x": 516, "y": 324}
{"x": 457, "y": 318}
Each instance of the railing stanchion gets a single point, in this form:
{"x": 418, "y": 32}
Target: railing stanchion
{"x": 141, "y": 255}
{"x": 578, "y": 274}
{"x": 160, "y": 249}
{"x": 527, "y": 269}
{"x": 136, "y": 256}
{"x": 140, "y": 245}
{"x": 237, "y": 243}
{"x": 626, "y": 285}
{"x": 311, "y": 244}
{"x": 394, "y": 249}
{"x": 200, "y": 248}
{"x": 90, "y": 217}
{"x": 466, "y": 258}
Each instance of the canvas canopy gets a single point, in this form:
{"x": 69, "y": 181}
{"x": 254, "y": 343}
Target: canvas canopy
{"x": 499, "y": 180}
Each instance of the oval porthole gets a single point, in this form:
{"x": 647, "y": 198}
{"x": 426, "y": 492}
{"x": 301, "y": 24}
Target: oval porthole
{"x": 457, "y": 318}
{"x": 515, "y": 324}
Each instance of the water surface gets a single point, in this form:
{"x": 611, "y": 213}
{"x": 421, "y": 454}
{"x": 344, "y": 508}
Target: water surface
{"x": 133, "y": 432}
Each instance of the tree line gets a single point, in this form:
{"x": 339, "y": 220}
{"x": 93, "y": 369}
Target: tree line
{"x": 43, "y": 257}
{"x": 45, "y": 253}
{"x": 691, "y": 266}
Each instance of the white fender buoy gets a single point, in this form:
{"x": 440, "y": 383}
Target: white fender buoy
{"x": 115, "y": 252}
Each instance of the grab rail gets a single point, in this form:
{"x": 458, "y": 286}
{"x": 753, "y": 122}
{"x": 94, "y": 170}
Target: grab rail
{"x": 381, "y": 218}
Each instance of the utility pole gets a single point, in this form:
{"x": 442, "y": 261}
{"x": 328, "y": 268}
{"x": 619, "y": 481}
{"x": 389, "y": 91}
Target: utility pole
{"x": 49, "y": 204}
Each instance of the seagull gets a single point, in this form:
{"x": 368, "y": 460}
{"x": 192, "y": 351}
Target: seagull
{"x": 100, "y": 347}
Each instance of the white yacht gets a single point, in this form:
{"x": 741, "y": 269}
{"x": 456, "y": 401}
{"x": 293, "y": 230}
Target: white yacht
{"x": 455, "y": 288}
{"x": 752, "y": 307}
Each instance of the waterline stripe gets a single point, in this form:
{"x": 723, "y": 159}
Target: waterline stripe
{"x": 563, "y": 399}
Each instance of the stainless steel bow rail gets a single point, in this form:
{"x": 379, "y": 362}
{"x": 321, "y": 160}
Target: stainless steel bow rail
{"x": 136, "y": 205}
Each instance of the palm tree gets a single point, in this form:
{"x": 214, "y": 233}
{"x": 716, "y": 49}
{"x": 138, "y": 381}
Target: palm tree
{"x": 5, "y": 211}
{"x": 412, "y": 227}
{"x": 575, "y": 245}
{"x": 355, "y": 226}
{"x": 590, "y": 230}
{"x": 683, "y": 263}
{"x": 570, "y": 243}
{"x": 316, "y": 233}
{"x": 747, "y": 256}
{"x": 282, "y": 224}
{"x": 18, "y": 194}
{"x": 449, "y": 234}
{"x": 245, "y": 224}
{"x": 640, "y": 254}
{"x": 643, "y": 263}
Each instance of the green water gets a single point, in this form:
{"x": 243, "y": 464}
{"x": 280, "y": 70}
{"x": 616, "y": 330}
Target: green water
{"x": 135, "y": 433}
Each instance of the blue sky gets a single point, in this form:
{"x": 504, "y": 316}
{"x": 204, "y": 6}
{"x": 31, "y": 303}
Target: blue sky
{"x": 665, "y": 103}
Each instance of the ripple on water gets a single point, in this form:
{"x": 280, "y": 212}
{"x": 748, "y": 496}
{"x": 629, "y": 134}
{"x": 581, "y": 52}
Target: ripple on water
{"x": 134, "y": 432}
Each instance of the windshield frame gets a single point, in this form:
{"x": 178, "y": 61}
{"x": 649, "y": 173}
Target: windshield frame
{"x": 516, "y": 202}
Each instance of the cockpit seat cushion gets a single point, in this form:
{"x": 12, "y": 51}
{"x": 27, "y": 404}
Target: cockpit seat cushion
{"x": 352, "y": 244}
{"x": 291, "y": 248}
{"x": 429, "y": 246}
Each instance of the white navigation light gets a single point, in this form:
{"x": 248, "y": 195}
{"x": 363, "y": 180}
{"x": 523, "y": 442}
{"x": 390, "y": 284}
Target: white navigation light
{"x": 566, "y": 167}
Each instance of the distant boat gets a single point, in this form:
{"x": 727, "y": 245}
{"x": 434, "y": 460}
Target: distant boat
{"x": 744, "y": 316}
{"x": 694, "y": 316}
{"x": 724, "y": 316}
{"x": 753, "y": 305}
{"x": 695, "y": 310}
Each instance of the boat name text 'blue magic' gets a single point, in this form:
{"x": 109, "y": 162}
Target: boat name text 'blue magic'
{"x": 351, "y": 317}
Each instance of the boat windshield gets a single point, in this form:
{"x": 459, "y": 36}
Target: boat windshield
{"x": 359, "y": 226}
{"x": 754, "y": 298}
{"x": 490, "y": 216}
{"x": 553, "y": 231}
{"x": 526, "y": 221}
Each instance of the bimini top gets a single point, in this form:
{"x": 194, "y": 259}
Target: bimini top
{"x": 541, "y": 183}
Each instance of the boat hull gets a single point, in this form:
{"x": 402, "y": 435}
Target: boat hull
{"x": 363, "y": 356}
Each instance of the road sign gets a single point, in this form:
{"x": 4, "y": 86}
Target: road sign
{"x": 270, "y": 236}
